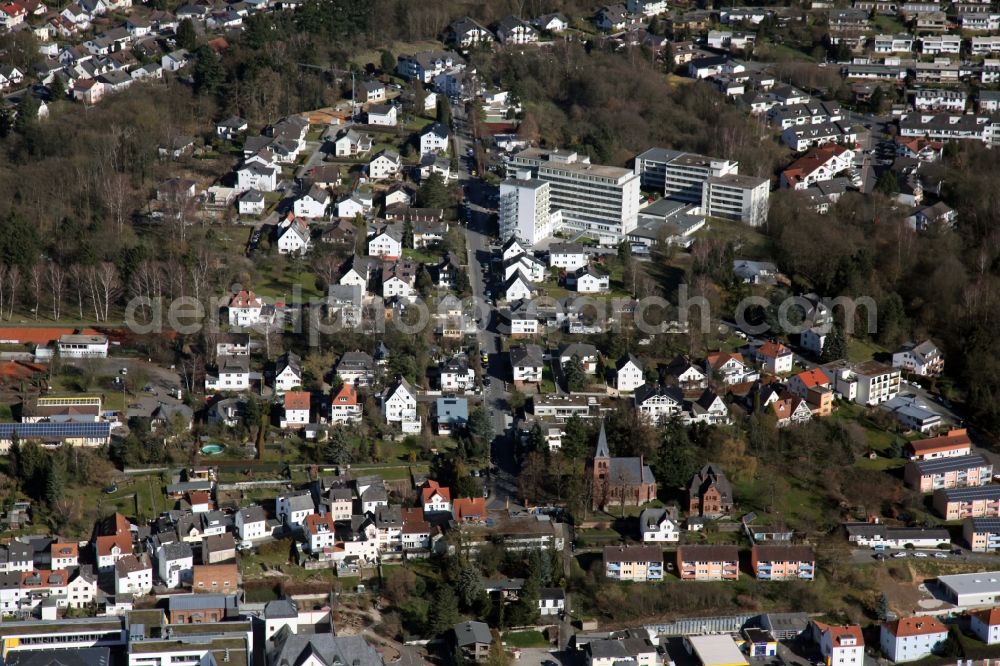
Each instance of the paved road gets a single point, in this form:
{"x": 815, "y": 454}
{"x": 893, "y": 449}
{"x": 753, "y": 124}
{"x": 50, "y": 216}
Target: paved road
{"x": 502, "y": 481}
{"x": 867, "y": 556}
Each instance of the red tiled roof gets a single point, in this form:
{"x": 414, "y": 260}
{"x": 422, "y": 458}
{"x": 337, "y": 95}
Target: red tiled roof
{"x": 40, "y": 335}
{"x": 773, "y": 350}
{"x": 717, "y": 359}
{"x": 955, "y": 439}
{"x": 245, "y": 299}
{"x": 348, "y": 395}
{"x": 810, "y": 162}
{"x": 413, "y": 521}
{"x": 65, "y": 550}
{"x": 465, "y": 508}
{"x": 297, "y": 400}
{"x": 990, "y": 617}
{"x": 199, "y": 497}
{"x": 314, "y": 521}
{"x": 106, "y": 543}
{"x": 813, "y": 378}
{"x": 431, "y": 487}
{"x": 915, "y": 626}
{"x": 839, "y": 633}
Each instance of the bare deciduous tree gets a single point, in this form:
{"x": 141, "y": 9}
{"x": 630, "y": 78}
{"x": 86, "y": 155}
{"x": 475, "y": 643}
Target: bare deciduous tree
{"x": 56, "y": 278}
{"x": 37, "y": 281}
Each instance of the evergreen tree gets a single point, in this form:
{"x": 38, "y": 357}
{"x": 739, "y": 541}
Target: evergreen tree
{"x": 388, "y": 61}
{"x": 443, "y": 111}
{"x": 481, "y": 425}
{"x": 835, "y": 345}
{"x": 27, "y": 113}
{"x": 536, "y": 439}
{"x": 576, "y": 378}
{"x": 433, "y": 193}
{"x": 57, "y": 90}
{"x": 407, "y": 234}
{"x": 576, "y": 443}
{"x": 887, "y": 183}
{"x": 882, "y": 608}
{"x": 55, "y": 482}
{"x": 337, "y": 451}
{"x": 443, "y": 613}
{"x": 209, "y": 76}
{"x": 469, "y": 586}
{"x": 187, "y": 37}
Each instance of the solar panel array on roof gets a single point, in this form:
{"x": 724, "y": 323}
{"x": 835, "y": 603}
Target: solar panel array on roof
{"x": 55, "y": 430}
{"x": 986, "y": 525}
{"x": 971, "y": 494}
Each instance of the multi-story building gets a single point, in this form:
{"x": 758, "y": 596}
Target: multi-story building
{"x": 783, "y": 562}
{"x": 936, "y": 99}
{"x": 735, "y": 197}
{"x": 602, "y": 201}
{"x": 939, "y": 44}
{"x": 708, "y": 562}
{"x": 982, "y": 534}
{"x": 924, "y": 359}
{"x": 524, "y": 209}
{"x": 958, "y": 472}
{"x": 986, "y": 625}
{"x": 840, "y": 646}
{"x": 817, "y": 165}
{"x": 912, "y": 638}
{"x": 685, "y": 174}
{"x": 867, "y": 383}
{"x": 633, "y": 563}
{"x": 958, "y": 503}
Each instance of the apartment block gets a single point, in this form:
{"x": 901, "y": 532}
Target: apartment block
{"x": 982, "y": 534}
{"x": 783, "y": 562}
{"x": 868, "y": 383}
{"x": 912, "y": 638}
{"x": 524, "y": 210}
{"x": 960, "y": 472}
{"x": 601, "y": 201}
{"x": 958, "y": 503}
{"x": 634, "y": 563}
{"x": 685, "y": 175}
{"x": 708, "y": 562}
{"x": 735, "y": 197}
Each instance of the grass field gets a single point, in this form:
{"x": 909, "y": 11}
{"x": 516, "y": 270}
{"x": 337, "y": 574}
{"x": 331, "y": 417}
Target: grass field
{"x": 525, "y": 639}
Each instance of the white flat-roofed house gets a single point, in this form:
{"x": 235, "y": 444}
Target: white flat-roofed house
{"x": 83, "y": 346}
{"x": 972, "y": 590}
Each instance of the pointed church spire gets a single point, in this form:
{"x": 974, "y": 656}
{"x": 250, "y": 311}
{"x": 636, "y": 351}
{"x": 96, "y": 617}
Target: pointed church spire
{"x": 602, "y": 444}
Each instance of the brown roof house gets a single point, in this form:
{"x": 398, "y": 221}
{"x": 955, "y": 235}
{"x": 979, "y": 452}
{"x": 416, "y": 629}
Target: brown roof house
{"x": 710, "y": 494}
{"x": 215, "y": 578}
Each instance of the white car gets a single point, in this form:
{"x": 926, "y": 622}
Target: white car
{"x": 941, "y": 556}
{"x": 898, "y": 555}
{"x": 919, "y": 554}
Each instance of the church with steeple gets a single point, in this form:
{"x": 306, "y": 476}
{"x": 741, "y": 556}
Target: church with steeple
{"x": 618, "y": 481}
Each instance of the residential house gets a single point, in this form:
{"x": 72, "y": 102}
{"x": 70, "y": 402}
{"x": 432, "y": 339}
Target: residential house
{"x": 789, "y": 410}
{"x": 658, "y": 404}
{"x": 589, "y": 280}
{"x": 815, "y": 388}
{"x": 985, "y": 624}
{"x": 387, "y": 164}
{"x": 956, "y": 472}
{"x": 466, "y": 32}
{"x": 287, "y": 373}
{"x": 217, "y": 548}
{"x": 683, "y": 373}
{"x": 783, "y": 562}
{"x": 435, "y": 497}
{"x": 708, "y": 563}
{"x": 252, "y": 202}
{"x": 450, "y": 415}
{"x": 839, "y": 645}
{"x": 628, "y": 374}
{"x": 659, "y": 525}
{"x": 134, "y": 575}
{"x": 382, "y": 114}
{"x": 344, "y": 406}
{"x": 959, "y": 503}
{"x": 313, "y": 204}
{"x": 639, "y": 564}
{"x": 568, "y": 256}
{"x": 352, "y": 143}
{"x": 356, "y": 368}
{"x": 293, "y": 508}
{"x": 473, "y": 640}
{"x": 729, "y": 368}
{"x": 456, "y": 375}
{"x": 400, "y": 405}
{"x": 912, "y": 638}
{"x": 372, "y": 91}
{"x": 251, "y": 524}
{"x": 526, "y": 362}
{"x": 387, "y": 242}
{"x": 817, "y": 165}
{"x": 924, "y": 359}
{"x": 293, "y": 236}
{"x": 710, "y": 494}
{"x": 866, "y": 383}
{"x": 233, "y": 374}
{"x": 512, "y": 30}
{"x": 296, "y": 407}
{"x": 982, "y": 534}
{"x": 434, "y": 139}
{"x": 774, "y": 358}
{"x": 174, "y": 563}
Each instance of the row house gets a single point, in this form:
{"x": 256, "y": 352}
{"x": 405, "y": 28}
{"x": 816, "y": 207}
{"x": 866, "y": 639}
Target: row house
{"x": 982, "y": 534}
{"x": 981, "y": 46}
{"x": 424, "y": 66}
{"x": 958, "y": 472}
{"x": 937, "y": 99}
{"x": 639, "y": 564}
{"x": 941, "y": 44}
{"x": 813, "y": 112}
{"x": 875, "y": 72}
{"x": 783, "y": 562}
{"x": 703, "y": 563}
{"x": 945, "y": 127}
{"x": 23, "y": 592}
{"x": 901, "y": 43}
{"x": 817, "y": 165}
{"x": 942, "y": 70}
{"x": 959, "y": 503}
{"x": 801, "y": 138}
{"x": 980, "y": 22}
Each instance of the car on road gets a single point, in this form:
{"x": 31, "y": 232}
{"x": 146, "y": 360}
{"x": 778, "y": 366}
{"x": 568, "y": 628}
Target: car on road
{"x": 899, "y": 555}
{"x": 919, "y": 554}
{"x": 941, "y": 556}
